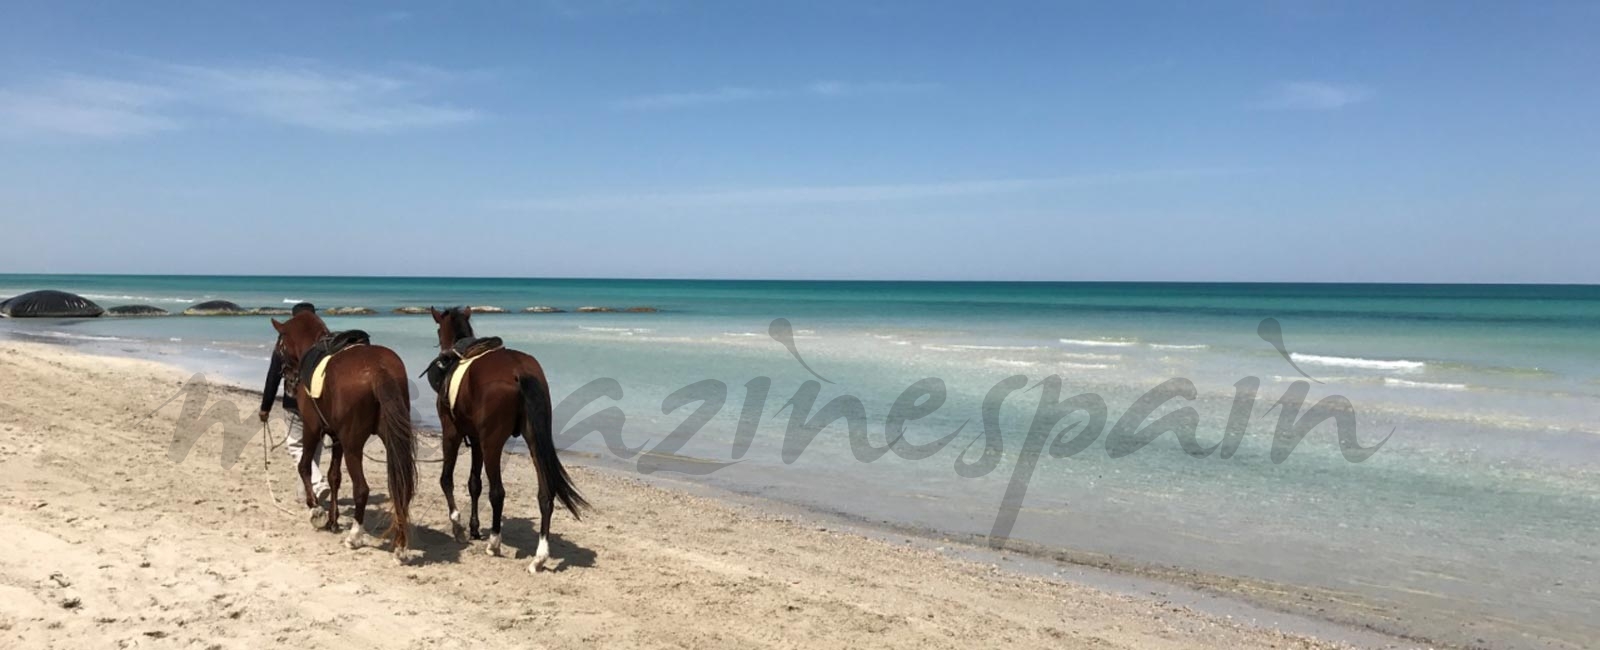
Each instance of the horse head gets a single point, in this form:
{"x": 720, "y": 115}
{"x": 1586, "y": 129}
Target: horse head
{"x": 296, "y": 336}
{"x": 455, "y": 324}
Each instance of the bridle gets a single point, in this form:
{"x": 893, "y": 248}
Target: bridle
{"x": 291, "y": 370}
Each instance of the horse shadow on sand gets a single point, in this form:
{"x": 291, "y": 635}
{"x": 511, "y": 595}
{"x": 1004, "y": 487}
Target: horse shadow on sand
{"x": 520, "y": 535}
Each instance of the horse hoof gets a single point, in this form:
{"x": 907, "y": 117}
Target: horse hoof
{"x": 319, "y": 517}
{"x": 493, "y": 549}
{"x": 460, "y": 534}
{"x": 541, "y": 556}
{"x": 356, "y": 539}
{"x": 404, "y": 556}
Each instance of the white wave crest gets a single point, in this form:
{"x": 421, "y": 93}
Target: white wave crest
{"x": 996, "y": 347}
{"x": 1013, "y": 363}
{"x": 1085, "y": 366}
{"x": 1100, "y": 343}
{"x": 1401, "y": 383}
{"x": 1174, "y": 346}
{"x": 1357, "y": 362}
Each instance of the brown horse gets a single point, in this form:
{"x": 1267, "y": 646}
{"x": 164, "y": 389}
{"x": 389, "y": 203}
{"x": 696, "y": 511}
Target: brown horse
{"x": 364, "y": 392}
{"x": 504, "y": 393}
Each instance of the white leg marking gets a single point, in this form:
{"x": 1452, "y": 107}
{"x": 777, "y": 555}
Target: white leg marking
{"x": 318, "y": 517}
{"x": 540, "y": 557}
{"x": 494, "y": 546}
{"x": 357, "y": 537}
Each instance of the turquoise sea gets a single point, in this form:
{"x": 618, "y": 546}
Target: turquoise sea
{"x": 1475, "y": 524}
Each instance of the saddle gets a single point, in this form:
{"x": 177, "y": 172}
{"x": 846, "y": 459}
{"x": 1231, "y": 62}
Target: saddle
{"x": 447, "y": 369}
{"x": 316, "y": 359}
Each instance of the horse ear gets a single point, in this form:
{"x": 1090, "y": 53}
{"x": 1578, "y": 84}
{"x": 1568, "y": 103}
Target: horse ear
{"x": 277, "y": 325}
{"x": 437, "y": 317}
{"x": 466, "y": 311}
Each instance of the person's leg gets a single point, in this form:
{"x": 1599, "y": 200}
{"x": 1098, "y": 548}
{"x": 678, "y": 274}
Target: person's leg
{"x": 294, "y": 444}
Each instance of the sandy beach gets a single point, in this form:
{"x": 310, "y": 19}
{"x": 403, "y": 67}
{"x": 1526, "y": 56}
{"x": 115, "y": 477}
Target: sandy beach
{"x": 114, "y": 545}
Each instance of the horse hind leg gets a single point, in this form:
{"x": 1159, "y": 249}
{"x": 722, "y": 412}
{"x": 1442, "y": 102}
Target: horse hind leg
{"x": 359, "y": 491}
{"x": 547, "y": 507}
{"x": 308, "y": 455}
{"x": 497, "y": 489}
{"x": 447, "y": 475}
{"x": 334, "y": 473}
{"x": 475, "y": 486}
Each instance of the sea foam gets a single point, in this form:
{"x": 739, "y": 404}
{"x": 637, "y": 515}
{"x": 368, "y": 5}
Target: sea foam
{"x": 1391, "y": 381}
{"x": 1099, "y": 343}
{"x": 1357, "y": 362}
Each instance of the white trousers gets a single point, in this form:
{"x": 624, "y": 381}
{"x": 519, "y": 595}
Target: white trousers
{"x": 295, "y": 445}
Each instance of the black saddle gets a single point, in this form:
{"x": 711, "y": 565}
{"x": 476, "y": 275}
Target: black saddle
{"x": 472, "y": 346}
{"x": 445, "y": 364}
{"x": 328, "y": 345}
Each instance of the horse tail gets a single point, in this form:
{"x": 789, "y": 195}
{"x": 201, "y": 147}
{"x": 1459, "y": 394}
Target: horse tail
{"x": 553, "y": 478}
{"x": 400, "y": 446}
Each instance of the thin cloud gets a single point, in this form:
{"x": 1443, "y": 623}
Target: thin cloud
{"x": 734, "y": 94}
{"x": 839, "y": 194}
{"x": 667, "y": 101}
{"x": 82, "y": 106}
{"x": 1314, "y": 96}
{"x": 164, "y": 97}
{"x": 319, "y": 98}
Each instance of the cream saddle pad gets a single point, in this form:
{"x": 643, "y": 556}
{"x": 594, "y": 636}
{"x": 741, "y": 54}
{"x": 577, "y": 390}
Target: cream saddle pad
{"x": 319, "y": 375}
{"x": 461, "y": 373}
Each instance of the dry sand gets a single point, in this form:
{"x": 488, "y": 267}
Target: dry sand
{"x": 108, "y": 543}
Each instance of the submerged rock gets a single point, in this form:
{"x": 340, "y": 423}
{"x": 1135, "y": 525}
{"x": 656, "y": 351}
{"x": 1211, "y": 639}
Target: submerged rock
{"x": 488, "y": 309}
{"x": 50, "y": 304}
{"x": 595, "y": 310}
{"x": 136, "y": 310}
{"x": 412, "y": 311}
{"x": 642, "y": 310}
{"x": 543, "y": 309}
{"x": 350, "y": 311}
{"x": 216, "y": 308}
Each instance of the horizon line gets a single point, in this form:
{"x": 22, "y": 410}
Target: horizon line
{"x": 4, "y": 274}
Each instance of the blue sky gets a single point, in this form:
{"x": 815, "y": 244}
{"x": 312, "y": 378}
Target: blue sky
{"x": 1270, "y": 141}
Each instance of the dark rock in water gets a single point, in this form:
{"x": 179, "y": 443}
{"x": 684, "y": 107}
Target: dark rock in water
{"x": 136, "y": 310}
{"x": 216, "y": 308}
{"x": 50, "y": 304}
{"x": 271, "y": 311}
{"x": 595, "y": 310}
{"x": 543, "y": 309}
{"x": 642, "y": 310}
{"x": 412, "y": 311}
{"x": 350, "y": 311}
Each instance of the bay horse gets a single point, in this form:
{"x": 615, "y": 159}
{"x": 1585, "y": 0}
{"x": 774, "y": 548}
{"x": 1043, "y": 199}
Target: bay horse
{"x": 503, "y": 394}
{"x": 364, "y": 393}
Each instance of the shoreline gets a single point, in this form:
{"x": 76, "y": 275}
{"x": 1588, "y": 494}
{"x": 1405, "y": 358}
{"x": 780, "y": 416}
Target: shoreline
{"x": 1052, "y": 565}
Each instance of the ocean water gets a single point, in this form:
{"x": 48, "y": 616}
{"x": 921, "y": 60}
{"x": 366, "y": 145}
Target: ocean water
{"x": 1476, "y": 519}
